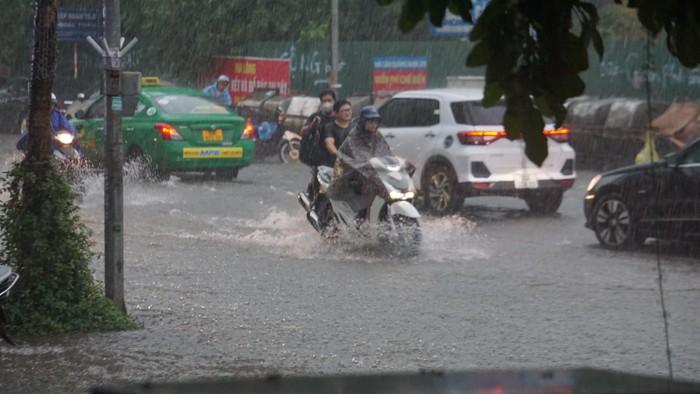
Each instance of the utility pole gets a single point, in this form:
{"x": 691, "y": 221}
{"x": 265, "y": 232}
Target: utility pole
{"x": 334, "y": 45}
{"x": 114, "y": 188}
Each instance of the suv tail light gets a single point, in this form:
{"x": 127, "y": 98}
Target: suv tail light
{"x": 168, "y": 132}
{"x": 559, "y": 135}
{"x": 477, "y": 137}
{"x": 248, "y": 130}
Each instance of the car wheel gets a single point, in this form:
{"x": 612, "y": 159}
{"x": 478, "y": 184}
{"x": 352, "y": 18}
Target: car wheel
{"x": 440, "y": 190}
{"x": 227, "y": 174}
{"x": 544, "y": 202}
{"x": 138, "y": 166}
{"x": 614, "y": 225}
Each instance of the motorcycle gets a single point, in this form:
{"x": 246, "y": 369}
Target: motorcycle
{"x": 267, "y": 139}
{"x": 379, "y": 195}
{"x": 66, "y": 151}
{"x": 289, "y": 147}
{"x": 64, "y": 147}
{"x": 8, "y": 279}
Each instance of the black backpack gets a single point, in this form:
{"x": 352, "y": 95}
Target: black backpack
{"x": 311, "y": 151}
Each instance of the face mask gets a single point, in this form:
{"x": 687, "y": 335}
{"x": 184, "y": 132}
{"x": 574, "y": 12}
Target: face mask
{"x": 326, "y": 107}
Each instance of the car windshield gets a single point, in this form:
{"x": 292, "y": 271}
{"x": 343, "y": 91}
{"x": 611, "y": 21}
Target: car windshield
{"x": 184, "y": 104}
{"x": 473, "y": 112}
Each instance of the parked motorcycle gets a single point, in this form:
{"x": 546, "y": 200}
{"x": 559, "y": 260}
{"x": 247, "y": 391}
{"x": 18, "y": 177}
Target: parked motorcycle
{"x": 8, "y": 279}
{"x": 378, "y": 194}
{"x": 289, "y": 147}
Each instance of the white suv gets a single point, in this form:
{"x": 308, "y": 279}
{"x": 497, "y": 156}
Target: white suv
{"x": 460, "y": 150}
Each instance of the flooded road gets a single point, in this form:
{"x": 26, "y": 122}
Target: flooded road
{"x": 228, "y": 279}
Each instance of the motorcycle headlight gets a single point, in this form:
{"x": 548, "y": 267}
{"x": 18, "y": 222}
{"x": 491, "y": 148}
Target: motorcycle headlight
{"x": 64, "y": 137}
{"x": 592, "y": 184}
{"x": 398, "y": 195}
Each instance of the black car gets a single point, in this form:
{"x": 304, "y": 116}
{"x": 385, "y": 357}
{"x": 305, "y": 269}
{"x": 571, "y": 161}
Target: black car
{"x": 661, "y": 199}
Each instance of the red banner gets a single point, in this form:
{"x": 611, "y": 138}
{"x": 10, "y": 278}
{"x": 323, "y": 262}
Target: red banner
{"x": 248, "y": 74}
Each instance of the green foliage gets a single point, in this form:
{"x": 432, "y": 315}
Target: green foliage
{"x": 45, "y": 242}
{"x": 680, "y": 19}
{"x": 177, "y": 37}
{"x": 313, "y": 32}
{"x": 535, "y": 51}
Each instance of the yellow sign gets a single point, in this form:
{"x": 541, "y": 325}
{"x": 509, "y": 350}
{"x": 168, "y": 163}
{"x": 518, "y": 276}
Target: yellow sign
{"x": 150, "y": 81}
{"x": 213, "y": 135}
{"x": 212, "y": 153}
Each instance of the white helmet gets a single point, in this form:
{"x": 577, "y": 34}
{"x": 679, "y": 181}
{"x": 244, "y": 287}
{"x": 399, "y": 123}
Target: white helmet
{"x": 222, "y": 78}
{"x": 53, "y": 98}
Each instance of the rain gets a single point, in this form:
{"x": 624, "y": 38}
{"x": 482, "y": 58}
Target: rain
{"x": 491, "y": 262}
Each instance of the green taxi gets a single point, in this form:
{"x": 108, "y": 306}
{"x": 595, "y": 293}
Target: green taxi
{"x": 174, "y": 129}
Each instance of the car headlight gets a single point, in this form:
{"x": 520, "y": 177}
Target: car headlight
{"x": 592, "y": 184}
{"x": 398, "y": 195}
{"x": 64, "y": 137}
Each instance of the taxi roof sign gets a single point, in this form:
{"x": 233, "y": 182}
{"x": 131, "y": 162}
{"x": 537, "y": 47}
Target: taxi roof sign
{"x": 150, "y": 81}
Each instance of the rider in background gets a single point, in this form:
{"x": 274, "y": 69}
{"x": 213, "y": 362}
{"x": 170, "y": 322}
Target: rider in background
{"x": 219, "y": 90}
{"x": 58, "y": 122}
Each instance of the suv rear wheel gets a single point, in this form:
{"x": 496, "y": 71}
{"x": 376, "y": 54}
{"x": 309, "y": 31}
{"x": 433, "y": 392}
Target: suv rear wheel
{"x": 440, "y": 190}
{"x": 544, "y": 202}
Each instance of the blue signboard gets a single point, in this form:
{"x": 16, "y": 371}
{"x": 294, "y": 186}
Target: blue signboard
{"x": 454, "y": 26}
{"x": 400, "y": 63}
{"x": 76, "y": 23}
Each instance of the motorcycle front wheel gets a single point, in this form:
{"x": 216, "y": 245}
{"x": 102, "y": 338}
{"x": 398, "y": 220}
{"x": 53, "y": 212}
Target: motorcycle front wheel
{"x": 405, "y": 237}
{"x": 289, "y": 151}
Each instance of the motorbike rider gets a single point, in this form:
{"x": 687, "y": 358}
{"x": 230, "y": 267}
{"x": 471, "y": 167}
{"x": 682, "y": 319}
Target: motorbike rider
{"x": 59, "y": 122}
{"x": 335, "y": 132}
{"x": 312, "y": 133}
{"x": 352, "y": 168}
{"x": 219, "y": 90}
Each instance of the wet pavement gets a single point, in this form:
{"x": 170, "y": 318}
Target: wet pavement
{"x": 228, "y": 279}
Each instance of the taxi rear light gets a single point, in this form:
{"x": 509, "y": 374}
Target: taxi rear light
{"x": 248, "y": 131}
{"x": 480, "y": 137}
{"x": 559, "y": 135}
{"x": 168, "y": 132}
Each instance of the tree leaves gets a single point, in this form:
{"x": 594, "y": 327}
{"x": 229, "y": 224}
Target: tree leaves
{"x": 681, "y": 21}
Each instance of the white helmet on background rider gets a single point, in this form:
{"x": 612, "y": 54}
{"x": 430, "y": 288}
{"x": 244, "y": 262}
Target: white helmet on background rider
{"x": 223, "y": 79}
{"x": 54, "y": 99}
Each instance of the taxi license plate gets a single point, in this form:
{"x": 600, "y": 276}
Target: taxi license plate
{"x": 213, "y": 135}
{"x": 212, "y": 153}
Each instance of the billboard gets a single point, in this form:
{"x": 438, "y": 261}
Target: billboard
{"x": 248, "y": 74}
{"x": 398, "y": 73}
{"x": 76, "y": 23}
